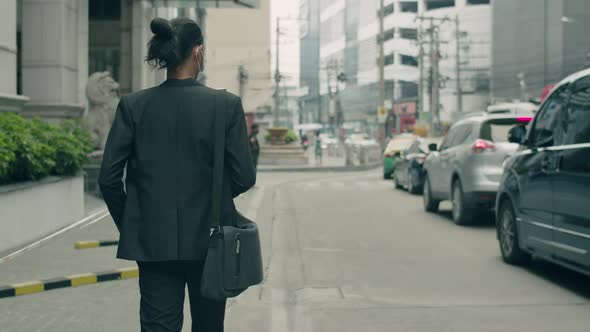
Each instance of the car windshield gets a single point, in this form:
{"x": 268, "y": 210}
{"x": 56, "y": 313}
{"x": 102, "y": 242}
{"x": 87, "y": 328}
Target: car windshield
{"x": 497, "y": 130}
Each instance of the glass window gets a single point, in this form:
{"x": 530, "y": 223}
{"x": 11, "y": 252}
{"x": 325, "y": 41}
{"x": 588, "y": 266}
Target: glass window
{"x": 388, "y": 10}
{"x": 497, "y": 130}
{"x": 409, "y": 7}
{"x": 389, "y": 59}
{"x": 409, "y": 60}
{"x": 387, "y": 35}
{"x": 411, "y": 34}
{"x": 446, "y": 143}
{"x": 462, "y": 133}
{"x": 408, "y": 89}
{"x": 575, "y": 120}
{"x": 546, "y": 119}
{"x": 435, "y": 4}
{"x": 104, "y": 59}
{"x": 104, "y": 9}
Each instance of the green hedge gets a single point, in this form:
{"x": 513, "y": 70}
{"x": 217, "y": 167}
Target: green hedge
{"x": 291, "y": 137}
{"x": 33, "y": 149}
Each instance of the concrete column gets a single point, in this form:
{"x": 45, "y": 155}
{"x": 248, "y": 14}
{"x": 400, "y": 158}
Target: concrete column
{"x": 142, "y": 75}
{"x": 9, "y": 101}
{"x": 125, "y": 67}
{"x": 83, "y": 52}
{"x": 50, "y": 63}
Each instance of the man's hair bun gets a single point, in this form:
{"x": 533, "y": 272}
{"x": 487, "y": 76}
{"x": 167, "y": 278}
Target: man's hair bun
{"x": 161, "y": 28}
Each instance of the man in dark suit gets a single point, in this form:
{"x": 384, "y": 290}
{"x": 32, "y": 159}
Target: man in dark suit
{"x": 164, "y": 136}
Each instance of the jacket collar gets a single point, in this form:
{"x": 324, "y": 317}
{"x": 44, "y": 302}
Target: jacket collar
{"x": 183, "y": 82}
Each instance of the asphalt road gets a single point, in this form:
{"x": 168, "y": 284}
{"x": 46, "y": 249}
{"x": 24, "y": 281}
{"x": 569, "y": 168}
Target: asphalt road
{"x": 343, "y": 252}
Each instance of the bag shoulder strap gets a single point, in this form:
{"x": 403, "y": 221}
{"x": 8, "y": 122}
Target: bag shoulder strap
{"x": 218, "y": 158}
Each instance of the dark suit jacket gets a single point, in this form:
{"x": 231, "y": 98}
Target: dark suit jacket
{"x": 165, "y": 136}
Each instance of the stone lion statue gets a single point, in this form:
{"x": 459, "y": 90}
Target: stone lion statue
{"x": 103, "y": 97}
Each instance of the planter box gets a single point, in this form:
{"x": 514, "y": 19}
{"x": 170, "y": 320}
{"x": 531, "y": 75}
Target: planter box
{"x": 29, "y": 211}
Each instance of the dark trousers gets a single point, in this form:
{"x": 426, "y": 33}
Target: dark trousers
{"x": 255, "y": 159}
{"x": 162, "y": 287}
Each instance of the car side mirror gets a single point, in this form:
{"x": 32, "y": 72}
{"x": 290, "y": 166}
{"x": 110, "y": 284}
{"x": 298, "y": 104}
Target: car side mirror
{"x": 432, "y": 147}
{"x": 517, "y": 134}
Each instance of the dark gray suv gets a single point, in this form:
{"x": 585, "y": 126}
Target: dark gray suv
{"x": 543, "y": 203}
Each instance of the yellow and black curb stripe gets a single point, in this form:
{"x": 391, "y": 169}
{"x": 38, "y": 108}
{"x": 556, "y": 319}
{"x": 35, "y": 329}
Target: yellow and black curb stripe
{"x": 69, "y": 281}
{"x": 95, "y": 244}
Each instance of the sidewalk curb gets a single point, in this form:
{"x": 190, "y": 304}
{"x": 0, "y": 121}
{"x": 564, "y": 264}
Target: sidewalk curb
{"x": 357, "y": 168}
{"x": 95, "y": 244}
{"x": 76, "y": 280}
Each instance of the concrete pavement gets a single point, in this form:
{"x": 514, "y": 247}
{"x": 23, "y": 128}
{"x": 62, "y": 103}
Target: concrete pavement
{"x": 343, "y": 252}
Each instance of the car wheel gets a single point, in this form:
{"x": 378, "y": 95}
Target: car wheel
{"x": 413, "y": 189}
{"x": 508, "y": 236}
{"x": 462, "y": 213}
{"x": 430, "y": 204}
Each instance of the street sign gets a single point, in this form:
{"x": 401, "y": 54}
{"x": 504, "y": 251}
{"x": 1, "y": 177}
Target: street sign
{"x": 382, "y": 115}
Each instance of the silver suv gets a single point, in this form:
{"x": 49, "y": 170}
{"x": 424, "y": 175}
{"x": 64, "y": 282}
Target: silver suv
{"x": 467, "y": 167}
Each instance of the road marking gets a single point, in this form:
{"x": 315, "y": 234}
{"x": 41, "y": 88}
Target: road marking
{"x": 75, "y": 280}
{"x": 91, "y": 219}
{"x": 95, "y": 244}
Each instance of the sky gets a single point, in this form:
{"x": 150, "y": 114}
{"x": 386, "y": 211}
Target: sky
{"x": 289, "y": 40}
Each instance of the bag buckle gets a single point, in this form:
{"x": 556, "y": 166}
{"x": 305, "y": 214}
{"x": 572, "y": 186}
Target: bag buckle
{"x": 216, "y": 231}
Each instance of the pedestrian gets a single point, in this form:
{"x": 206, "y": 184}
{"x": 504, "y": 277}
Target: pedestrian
{"x": 254, "y": 146}
{"x": 304, "y": 142}
{"x": 165, "y": 137}
{"x": 318, "y": 149}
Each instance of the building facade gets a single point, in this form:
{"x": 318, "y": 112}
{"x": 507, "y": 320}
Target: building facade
{"x": 544, "y": 40}
{"x": 49, "y": 48}
{"x": 238, "y": 59}
{"x": 465, "y": 42}
{"x": 309, "y": 64}
{"x": 349, "y": 49}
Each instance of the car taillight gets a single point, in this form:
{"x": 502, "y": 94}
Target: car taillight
{"x": 524, "y": 119}
{"x": 482, "y": 145}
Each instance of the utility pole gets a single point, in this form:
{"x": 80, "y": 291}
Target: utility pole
{"x": 434, "y": 72}
{"x": 435, "y": 54}
{"x": 458, "y": 35}
{"x": 277, "y": 74}
{"x": 381, "y": 70}
{"x": 421, "y": 66}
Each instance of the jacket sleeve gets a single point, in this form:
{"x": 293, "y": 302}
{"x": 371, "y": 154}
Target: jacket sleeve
{"x": 238, "y": 158}
{"x": 117, "y": 151}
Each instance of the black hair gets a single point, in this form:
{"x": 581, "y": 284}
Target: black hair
{"x": 173, "y": 42}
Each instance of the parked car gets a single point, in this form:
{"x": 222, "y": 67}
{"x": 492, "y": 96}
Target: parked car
{"x": 467, "y": 167}
{"x": 513, "y": 108}
{"x": 409, "y": 173}
{"x": 543, "y": 203}
{"x": 393, "y": 151}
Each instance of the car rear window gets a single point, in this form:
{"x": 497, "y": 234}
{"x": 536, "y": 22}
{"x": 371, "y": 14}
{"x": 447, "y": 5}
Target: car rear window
{"x": 497, "y": 130}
